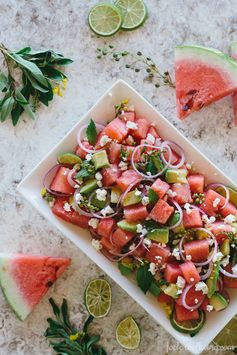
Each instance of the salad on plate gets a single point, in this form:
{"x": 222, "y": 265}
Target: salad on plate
{"x": 151, "y": 212}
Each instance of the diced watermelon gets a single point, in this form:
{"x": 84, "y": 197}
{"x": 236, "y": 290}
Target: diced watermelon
{"x": 190, "y": 272}
{"x": 130, "y": 149}
{"x": 135, "y": 213}
{"x": 128, "y": 116}
{"x": 153, "y": 131}
{"x": 82, "y": 153}
{"x": 228, "y": 281}
{"x": 198, "y": 249}
{"x": 105, "y": 227}
{"x": 229, "y": 209}
{"x": 174, "y": 156}
{"x": 107, "y": 245}
{"x": 183, "y": 193}
{"x": 97, "y": 144}
{"x": 196, "y": 183}
{"x": 207, "y": 205}
{"x": 172, "y": 271}
{"x": 110, "y": 175}
{"x": 158, "y": 254}
{"x": 116, "y": 130}
{"x": 72, "y": 216}
{"x": 114, "y": 152}
{"x": 139, "y": 252}
{"x": 220, "y": 230}
{"x": 60, "y": 182}
{"x": 204, "y": 304}
{"x": 25, "y": 279}
{"x": 127, "y": 178}
{"x": 192, "y": 219}
{"x": 191, "y": 295}
{"x": 121, "y": 237}
{"x": 182, "y": 314}
{"x": 141, "y": 131}
{"x": 163, "y": 298}
{"x": 161, "y": 212}
{"x": 160, "y": 187}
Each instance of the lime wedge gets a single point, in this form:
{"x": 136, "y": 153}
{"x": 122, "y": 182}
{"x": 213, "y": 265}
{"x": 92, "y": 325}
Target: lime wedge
{"x": 134, "y": 12}
{"x": 98, "y": 298}
{"x": 105, "y": 19}
{"x": 228, "y": 335}
{"x": 128, "y": 334}
{"x": 233, "y": 194}
{"x": 69, "y": 158}
{"x": 188, "y": 327}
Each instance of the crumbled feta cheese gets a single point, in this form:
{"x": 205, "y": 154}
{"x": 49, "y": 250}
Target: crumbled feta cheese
{"x": 216, "y": 202}
{"x": 96, "y": 244}
{"x": 171, "y": 193}
{"x": 188, "y": 166}
{"x": 93, "y": 222}
{"x": 152, "y": 268}
{"x": 99, "y": 183}
{"x": 98, "y": 176}
{"x": 196, "y": 301}
{"x": 191, "y": 279}
{"x": 138, "y": 193}
{"x": 201, "y": 286}
{"x": 225, "y": 261}
{"x": 132, "y": 247}
{"x": 145, "y": 200}
{"x": 76, "y": 186}
{"x": 189, "y": 257}
{"x": 123, "y": 166}
{"x": 147, "y": 242}
{"x": 179, "y": 292}
{"x": 104, "y": 140}
{"x": 217, "y": 257}
{"x": 176, "y": 254}
{"x": 139, "y": 228}
{"x": 131, "y": 125}
{"x": 88, "y": 157}
{"x": 180, "y": 282}
{"x": 151, "y": 138}
{"x": 107, "y": 210}
{"x": 209, "y": 308}
{"x": 101, "y": 194}
{"x": 148, "y": 173}
{"x": 187, "y": 208}
{"x": 67, "y": 207}
{"x": 208, "y": 221}
{"x": 234, "y": 269}
{"x": 229, "y": 219}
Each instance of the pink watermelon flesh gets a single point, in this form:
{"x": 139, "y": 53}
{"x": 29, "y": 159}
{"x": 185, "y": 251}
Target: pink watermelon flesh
{"x": 25, "y": 279}
{"x": 234, "y": 96}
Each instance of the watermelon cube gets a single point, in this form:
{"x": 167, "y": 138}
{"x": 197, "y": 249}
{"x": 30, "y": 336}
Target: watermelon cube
{"x": 60, "y": 182}
{"x": 160, "y": 187}
{"x": 220, "y": 230}
{"x": 105, "y": 227}
{"x": 121, "y": 237}
{"x": 196, "y": 183}
{"x": 139, "y": 252}
{"x": 153, "y": 131}
{"x": 128, "y": 116}
{"x": 228, "y": 281}
{"x": 183, "y": 193}
{"x": 128, "y": 178}
{"x": 208, "y": 206}
{"x": 229, "y": 209}
{"x": 135, "y": 213}
{"x": 198, "y": 249}
{"x": 116, "y": 130}
{"x": 142, "y": 128}
{"x": 190, "y": 272}
{"x": 71, "y": 216}
{"x": 110, "y": 175}
{"x": 114, "y": 152}
{"x": 82, "y": 153}
{"x": 172, "y": 271}
{"x": 182, "y": 314}
{"x": 192, "y": 219}
{"x": 161, "y": 212}
{"x": 157, "y": 254}
{"x": 163, "y": 298}
{"x": 107, "y": 245}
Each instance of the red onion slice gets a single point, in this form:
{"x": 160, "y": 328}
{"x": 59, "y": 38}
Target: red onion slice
{"x": 184, "y": 295}
{"x": 177, "y": 150}
{"x": 70, "y": 180}
{"x": 208, "y": 273}
{"x": 228, "y": 274}
{"x": 227, "y": 192}
{"x": 48, "y": 180}
{"x": 210, "y": 256}
{"x": 90, "y": 151}
{"x": 180, "y": 215}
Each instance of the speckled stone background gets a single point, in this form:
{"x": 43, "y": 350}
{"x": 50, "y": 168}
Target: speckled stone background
{"x": 62, "y": 25}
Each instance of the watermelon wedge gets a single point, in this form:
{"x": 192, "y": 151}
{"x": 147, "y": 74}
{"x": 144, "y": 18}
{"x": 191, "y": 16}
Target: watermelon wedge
{"x": 233, "y": 53}
{"x": 25, "y": 279}
{"x": 203, "y": 75}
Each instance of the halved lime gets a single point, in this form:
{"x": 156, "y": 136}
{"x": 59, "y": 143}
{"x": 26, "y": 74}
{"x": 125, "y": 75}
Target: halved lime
{"x": 233, "y": 194}
{"x": 191, "y": 327}
{"x": 105, "y": 19}
{"x": 134, "y": 12}
{"x": 128, "y": 334}
{"x": 69, "y": 158}
{"x": 228, "y": 335}
{"x": 98, "y": 298}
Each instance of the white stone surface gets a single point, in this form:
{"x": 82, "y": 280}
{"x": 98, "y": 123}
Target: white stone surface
{"x": 62, "y": 25}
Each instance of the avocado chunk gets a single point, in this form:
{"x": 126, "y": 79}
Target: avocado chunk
{"x": 225, "y": 247}
{"x": 126, "y": 266}
{"x": 212, "y": 281}
{"x": 171, "y": 290}
{"x": 173, "y": 176}
{"x": 115, "y": 194}
{"x": 159, "y": 235}
{"x": 131, "y": 198}
{"x": 69, "y": 158}
{"x": 88, "y": 186}
{"x": 130, "y": 227}
{"x": 218, "y": 302}
{"x": 100, "y": 159}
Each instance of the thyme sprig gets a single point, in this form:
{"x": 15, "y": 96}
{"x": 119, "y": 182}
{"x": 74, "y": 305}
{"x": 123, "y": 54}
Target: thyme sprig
{"x": 70, "y": 340}
{"x": 138, "y": 62}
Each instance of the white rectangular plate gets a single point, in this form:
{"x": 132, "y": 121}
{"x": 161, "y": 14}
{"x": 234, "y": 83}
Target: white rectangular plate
{"x": 101, "y": 112}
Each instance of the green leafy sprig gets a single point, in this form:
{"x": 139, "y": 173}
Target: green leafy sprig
{"x": 139, "y": 63}
{"x": 30, "y": 78}
{"x": 70, "y": 341}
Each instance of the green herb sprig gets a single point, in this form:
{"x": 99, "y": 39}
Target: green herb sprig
{"x": 138, "y": 62}
{"x": 70, "y": 340}
{"x": 30, "y": 78}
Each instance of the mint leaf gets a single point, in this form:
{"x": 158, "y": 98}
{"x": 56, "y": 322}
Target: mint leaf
{"x": 153, "y": 197}
{"x": 144, "y": 278}
{"x": 155, "y": 288}
{"x": 91, "y": 132}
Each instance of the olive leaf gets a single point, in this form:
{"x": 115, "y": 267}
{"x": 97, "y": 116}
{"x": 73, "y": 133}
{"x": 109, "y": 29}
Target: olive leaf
{"x": 7, "y": 108}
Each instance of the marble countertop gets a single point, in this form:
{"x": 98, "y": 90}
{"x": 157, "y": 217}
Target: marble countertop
{"x": 62, "y": 25}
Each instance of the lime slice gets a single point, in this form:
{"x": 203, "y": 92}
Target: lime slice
{"x": 98, "y": 298}
{"x": 128, "y": 334}
{"x": 228, "y": 335}
{"x": 233, "y": 194}
{"x": 105, "y": 19}
{"x": 188, "y": 327}
{"x": 134, "y": 12}
{"x": 69, "y": 158}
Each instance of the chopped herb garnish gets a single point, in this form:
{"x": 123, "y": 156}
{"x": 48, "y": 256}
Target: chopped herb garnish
{"x": 87, "y": 169}
{"x": 198, "y": 198}
{"x": 91, "y": 132}
{"x": 124, "y": 153}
